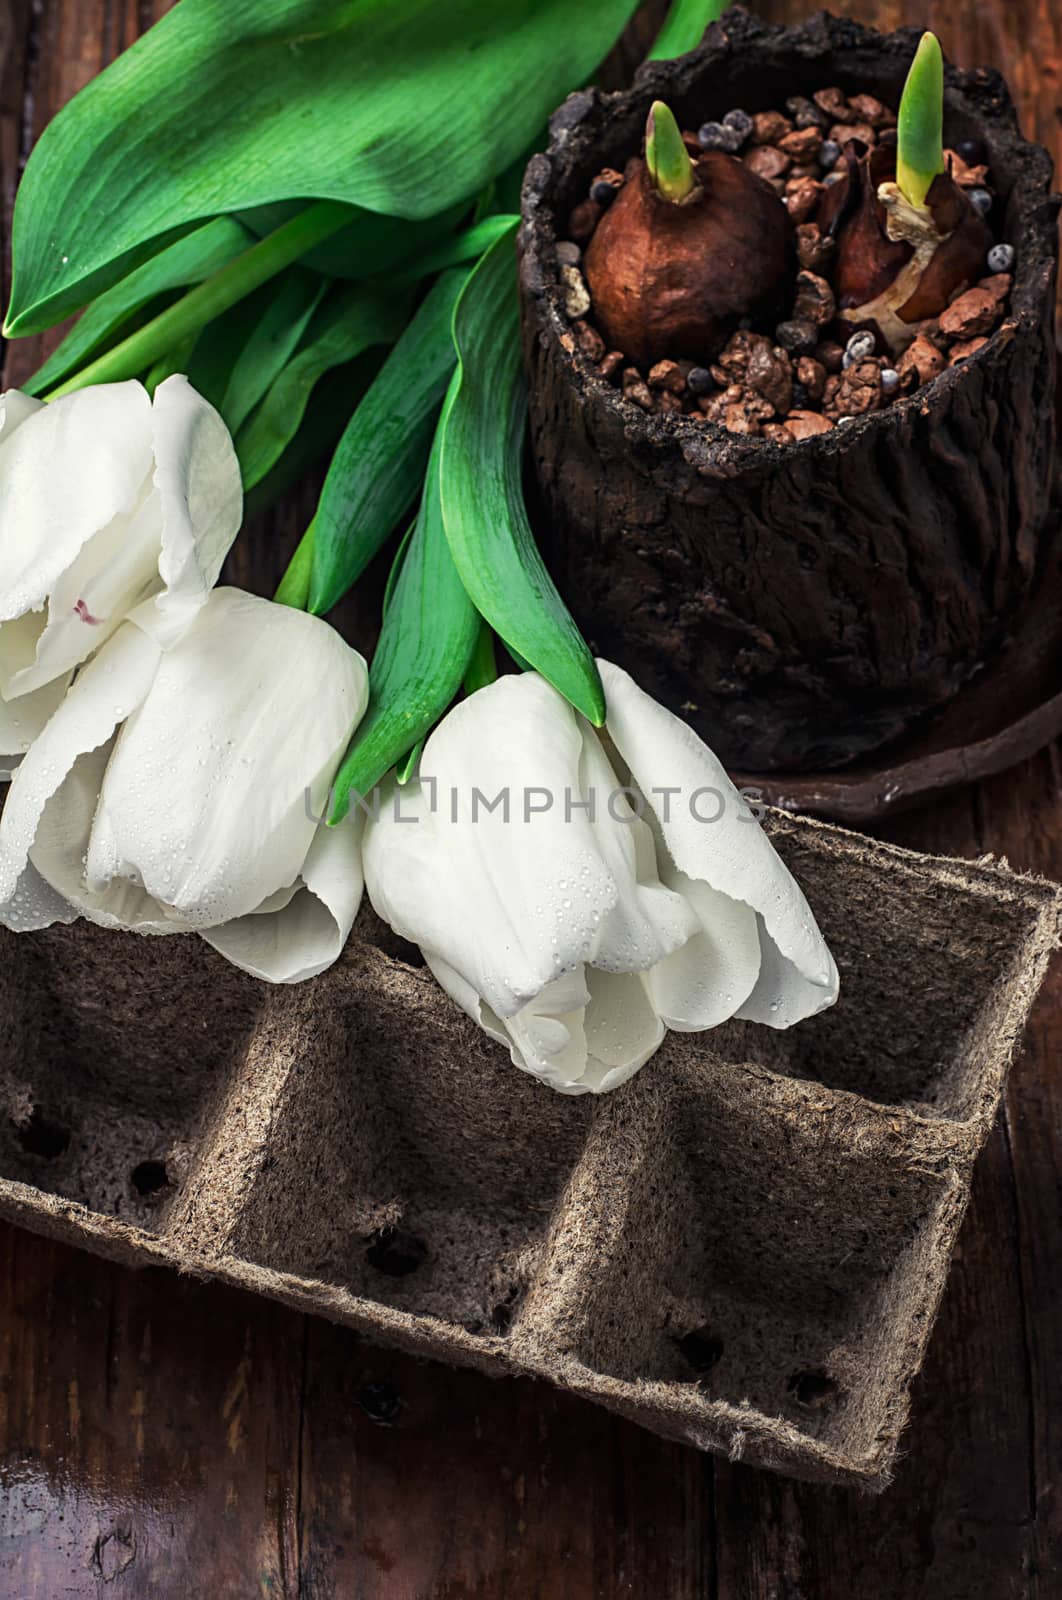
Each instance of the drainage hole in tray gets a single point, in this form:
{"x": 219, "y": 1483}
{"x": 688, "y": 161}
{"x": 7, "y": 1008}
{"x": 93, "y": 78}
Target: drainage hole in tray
{"x": 702, "y": 1349}
{"x": 40, "y": 1136}
{"x": 395, "y": 1251}
{"x": 149, "y": 1177}
{"x": 813, "y": 1390}
{"x": 503, "y": 1311}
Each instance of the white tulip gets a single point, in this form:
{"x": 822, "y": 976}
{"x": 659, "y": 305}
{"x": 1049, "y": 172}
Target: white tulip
{"x": 576, "y": 937}
{"x": 175, "y": 789}
{"x": 107, "y": 499}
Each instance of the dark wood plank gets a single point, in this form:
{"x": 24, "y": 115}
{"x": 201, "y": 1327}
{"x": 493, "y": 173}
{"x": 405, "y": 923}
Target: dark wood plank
{"x": 174, "y": 1439}
{"x": 1024, "y": 819}
{"x": 149, "y": 1433}
{"x": 487, "y": 1489}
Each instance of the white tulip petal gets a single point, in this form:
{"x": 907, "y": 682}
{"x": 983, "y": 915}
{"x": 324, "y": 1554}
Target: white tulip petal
{"x": 648, "y": 920}
{"x": 462, "y": 992}
{"x": 548, "y": 1036}
{"x": 712, "y": 836}
{"x": 204, "y": 801}
{"x": 586, "y": 1033}
{"x": 781, "y": 996}
{"x": 622, "y": 1029}
{"x": 84, "y": 721}
{"x": 61, "y": 846}
{"x": 35, "y": 905}
{"x": 513, "y": 902}
{"x": 705, "y": 982}
{"x": 114, "y": 570}
{"x": 200, "y": 490}
{"x": 22, "y": 720}
{"x": 15, "y": 408}
{"x": 290, "y": 942}
{"x": 65, "y": 473}
{"x": 19, "y": 639}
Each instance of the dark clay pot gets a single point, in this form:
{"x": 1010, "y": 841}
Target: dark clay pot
{"x": 807, "y": 603}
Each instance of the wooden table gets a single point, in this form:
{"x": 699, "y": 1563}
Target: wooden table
{"x": 165, "y": 1440}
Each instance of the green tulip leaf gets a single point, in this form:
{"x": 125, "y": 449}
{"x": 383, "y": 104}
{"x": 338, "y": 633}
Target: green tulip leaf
{"x": 684, "y": 28}
{"x": 293, "y": 298}
{"x": 190, "y": 260}
{"x": 372, "y": 244}
{"x": 350, "y": 321}
{"x": 481, "y": 489}
{"x": 396, "y": 568}
{"x": 429, "y": 632}
{"x": 405, "y": 107}
{"x": 317, "y": 437}
{"x": 461, "y": 248}
{"x": 379, "y": 466}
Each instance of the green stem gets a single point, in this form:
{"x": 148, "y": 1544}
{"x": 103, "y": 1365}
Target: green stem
{"x": 209, "y": 299}
{"x": 294, "y": 587}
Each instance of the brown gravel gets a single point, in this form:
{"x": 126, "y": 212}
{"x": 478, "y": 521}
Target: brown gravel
{"x": 854, "y": 392}
{"x": 668, "y": 375}
{"x": 871, "y": 111}
{"x": 813, "y": 251}
{"x": 635, "y": 388}
{"x": 812, "y": 374}
{"x": 815, "y": 300}
{"x": 964, "y": 349}
{"x": 802, "y": 198}
{"x": 610, "y": 176}
{"x": 731, "y": 365}
{"x": 854, "y": 130}
{"x": 806, "y": 424}
{"x": 803, "y": 144}
{"x": 922, "y": 358}
{"x": 769, "y": 127}
{"x": 977, "y": 310}
{"x": 767, "y": 161}
{"x": 835, "y": 104}
{"x": 771, "y": 375}
{"x": 738, "y": 409}
{"x": 611, "y": 364}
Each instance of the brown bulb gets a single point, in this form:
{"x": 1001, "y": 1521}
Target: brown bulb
{"x": 675, "y": 278}
{"x": 899, "y": 265}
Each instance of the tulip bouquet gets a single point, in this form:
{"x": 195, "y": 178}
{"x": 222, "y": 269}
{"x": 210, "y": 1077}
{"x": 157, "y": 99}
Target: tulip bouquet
{"x": 183, "y": 757}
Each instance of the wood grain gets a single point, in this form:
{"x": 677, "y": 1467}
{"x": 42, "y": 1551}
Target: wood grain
{"x": 163, "y": 1439}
